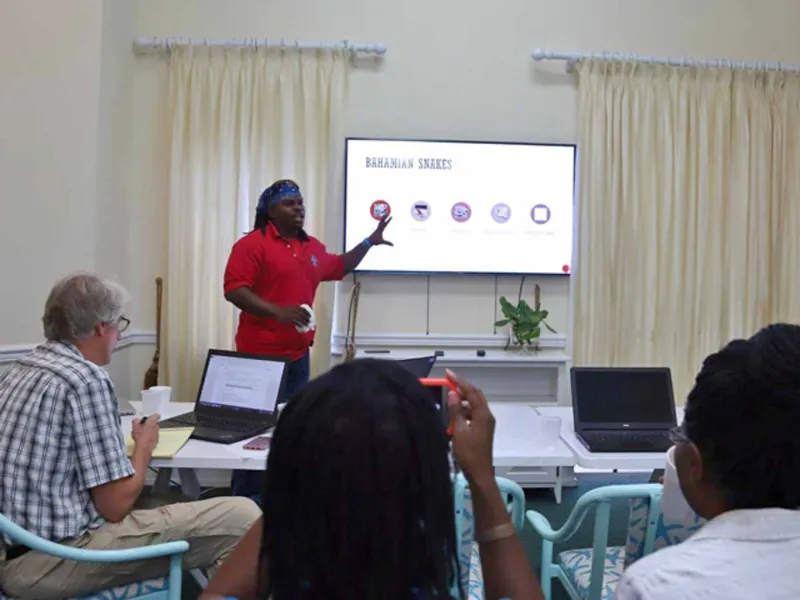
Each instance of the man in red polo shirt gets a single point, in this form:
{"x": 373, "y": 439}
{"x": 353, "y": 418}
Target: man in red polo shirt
{"x": 271, "y": 273}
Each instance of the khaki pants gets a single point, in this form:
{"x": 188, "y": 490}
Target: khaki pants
{"x": 212, "y": 528}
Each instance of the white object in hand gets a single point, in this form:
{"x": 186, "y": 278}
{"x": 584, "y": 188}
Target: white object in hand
{"x": 312, "y": 324}
{"x": 155, "y": 400}
{"x": 673, "y": 504}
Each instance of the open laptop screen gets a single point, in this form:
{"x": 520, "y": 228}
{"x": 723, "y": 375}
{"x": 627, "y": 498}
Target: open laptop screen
{"x": 419, "y": 367}
{"x": 241, "y": 382}
{"x": 622, "y": 397}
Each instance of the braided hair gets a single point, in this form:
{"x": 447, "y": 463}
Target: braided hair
{"x": 742, "y": 414}
{"x": 357, "y": 498}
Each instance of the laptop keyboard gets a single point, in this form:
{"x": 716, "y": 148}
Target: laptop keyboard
{"x": 192, "y": 420}
{"x": 627, "y": 439}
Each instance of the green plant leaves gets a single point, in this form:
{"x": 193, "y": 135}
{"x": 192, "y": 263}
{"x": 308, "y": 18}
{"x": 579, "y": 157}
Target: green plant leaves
{"x": 526, "y": 322}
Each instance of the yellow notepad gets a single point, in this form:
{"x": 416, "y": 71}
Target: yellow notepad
{"x": 170, "y": 441}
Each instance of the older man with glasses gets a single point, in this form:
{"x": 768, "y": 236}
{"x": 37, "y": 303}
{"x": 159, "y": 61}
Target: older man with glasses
{"x": 64, "y": 472}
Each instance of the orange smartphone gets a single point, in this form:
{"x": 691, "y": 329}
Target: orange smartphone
{"x": 440, "y": 387}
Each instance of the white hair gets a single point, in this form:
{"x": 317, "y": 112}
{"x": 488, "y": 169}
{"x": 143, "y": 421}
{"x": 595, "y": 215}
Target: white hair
{"x": 78, "y": 303}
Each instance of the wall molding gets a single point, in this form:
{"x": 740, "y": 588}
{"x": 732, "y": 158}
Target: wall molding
{"x": 486, "y": 341}
{"x": 12, "y": 352}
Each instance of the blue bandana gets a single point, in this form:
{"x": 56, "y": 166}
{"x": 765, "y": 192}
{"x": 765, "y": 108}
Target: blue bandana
{"x": 277, "y": 192}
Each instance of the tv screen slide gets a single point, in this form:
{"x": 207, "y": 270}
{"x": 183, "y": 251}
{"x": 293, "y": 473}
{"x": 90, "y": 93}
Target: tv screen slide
{"x": 462, "y": 207}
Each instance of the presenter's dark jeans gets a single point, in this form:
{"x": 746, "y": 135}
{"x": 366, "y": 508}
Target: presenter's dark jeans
{"x": 248, "y": 483}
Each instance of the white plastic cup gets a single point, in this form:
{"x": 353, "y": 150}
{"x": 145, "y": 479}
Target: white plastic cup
{"x": 312, "y": 323}
{"x": 155, "y": 400}
{"x": 673, "y": 504}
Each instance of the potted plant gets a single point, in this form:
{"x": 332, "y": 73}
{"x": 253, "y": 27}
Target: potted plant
{"x": 524, "y": 323}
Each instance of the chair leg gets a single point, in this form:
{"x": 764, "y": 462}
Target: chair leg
{"x": 599, "y": 545}
{"x": 175, "y": 577}
{"x": 199, "y": 577}
{"x": 546, "y": 580}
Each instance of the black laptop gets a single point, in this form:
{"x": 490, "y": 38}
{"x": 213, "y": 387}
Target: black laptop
{"x": 623, "y": 409}
{"x": 238, "y": 397}
{"x": 420, "y": 367}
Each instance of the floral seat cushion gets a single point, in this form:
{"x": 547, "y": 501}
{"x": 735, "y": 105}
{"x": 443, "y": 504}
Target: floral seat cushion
{"x": 132, "y": 590}
{"x": 668, "y": 532}
{"x": 577, "y": 565}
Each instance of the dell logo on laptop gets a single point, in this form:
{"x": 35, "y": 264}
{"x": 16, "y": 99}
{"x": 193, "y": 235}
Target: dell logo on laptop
{"x": 626, "y": 424}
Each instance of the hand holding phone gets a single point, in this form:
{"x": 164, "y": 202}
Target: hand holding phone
{"x": 260, "y": 443}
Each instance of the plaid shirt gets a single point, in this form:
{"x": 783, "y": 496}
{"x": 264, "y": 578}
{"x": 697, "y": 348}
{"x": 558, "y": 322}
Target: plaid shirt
{"x": 60, "y": 436}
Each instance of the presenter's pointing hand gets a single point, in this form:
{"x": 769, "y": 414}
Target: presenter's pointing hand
{"x": 376, "y": 239}
{"x": 293, "y": 314}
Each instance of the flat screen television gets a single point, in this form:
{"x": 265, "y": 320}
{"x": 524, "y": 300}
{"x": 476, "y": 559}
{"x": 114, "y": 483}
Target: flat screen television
{"x": 462, "y": 207}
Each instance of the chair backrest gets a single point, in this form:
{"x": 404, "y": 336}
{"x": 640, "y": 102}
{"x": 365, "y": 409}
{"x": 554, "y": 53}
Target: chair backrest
{"x": 668, "y": 531}
{"x": 465, "y": 522}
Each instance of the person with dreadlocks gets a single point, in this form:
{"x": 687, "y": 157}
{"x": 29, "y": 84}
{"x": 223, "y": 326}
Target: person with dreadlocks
{"x": 358, "y": 500}
{"x": 271, "y": 273}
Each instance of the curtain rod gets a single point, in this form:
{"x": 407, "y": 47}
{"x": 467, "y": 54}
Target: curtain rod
{"x": 715, "y": 63}
{"x": 147, "y": 45}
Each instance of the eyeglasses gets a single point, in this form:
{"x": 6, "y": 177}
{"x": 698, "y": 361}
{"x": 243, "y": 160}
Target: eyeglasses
{"x": 677, "y": 435}
{"x": 123, "y": 324}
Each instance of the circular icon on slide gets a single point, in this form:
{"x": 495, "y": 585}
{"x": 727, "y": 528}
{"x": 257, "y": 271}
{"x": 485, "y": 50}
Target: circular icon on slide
{"x": 461, "y": 212}
{"x": 380, "y": 209}
{"x": 565, "y": 268}
{"x": 501, "y": 212}
{"x": 540, "y": 214}
{"x": 421, "y": 210}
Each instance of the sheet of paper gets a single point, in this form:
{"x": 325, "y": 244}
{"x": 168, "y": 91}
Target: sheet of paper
{"x": 170, "y": 441}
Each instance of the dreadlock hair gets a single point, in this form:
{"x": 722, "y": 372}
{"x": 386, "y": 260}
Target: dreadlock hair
{"x": 262, "y": 218}
{"x": 357, "y": 498}
{"x": 742, "y": 415}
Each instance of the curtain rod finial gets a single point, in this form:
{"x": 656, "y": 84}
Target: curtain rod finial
{"x": 539, "y": 54}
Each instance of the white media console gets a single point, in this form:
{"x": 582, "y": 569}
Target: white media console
{"x": 535, "y": 378}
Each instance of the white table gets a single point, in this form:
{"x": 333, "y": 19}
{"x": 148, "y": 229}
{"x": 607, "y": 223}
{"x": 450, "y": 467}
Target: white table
{"x": 198, "y": 455}
{"x": 602, "y": 461}
{"x": 520, "y": 453}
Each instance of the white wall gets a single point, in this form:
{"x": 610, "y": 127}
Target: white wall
{"x": 83, "y": 153}
{"x": 49, "y": 105}
{"x": 66, "y": 112}
{"x": 454, "y": 69}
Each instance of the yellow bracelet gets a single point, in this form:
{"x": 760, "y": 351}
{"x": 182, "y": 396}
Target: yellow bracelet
{"x": 500, "y": 532}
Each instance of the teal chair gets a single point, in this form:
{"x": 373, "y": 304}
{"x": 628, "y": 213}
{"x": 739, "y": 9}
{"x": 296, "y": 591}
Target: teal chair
{"x": 468, "y": 554}
{"x": 593, "y": 573}
{"x": 161, "y": 588}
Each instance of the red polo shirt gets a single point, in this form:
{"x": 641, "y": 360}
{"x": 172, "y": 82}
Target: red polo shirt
{"x": 285, "y": 272}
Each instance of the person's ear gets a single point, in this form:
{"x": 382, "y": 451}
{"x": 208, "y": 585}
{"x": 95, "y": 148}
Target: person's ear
{"x": 696, "y": 468}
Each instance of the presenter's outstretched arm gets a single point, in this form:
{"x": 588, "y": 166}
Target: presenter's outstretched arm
{"x": 352, "y": 258}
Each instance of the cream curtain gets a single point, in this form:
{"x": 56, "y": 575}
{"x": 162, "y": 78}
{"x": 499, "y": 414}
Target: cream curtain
{"x": 240, "y": 119}
{"x": 688, "y": 212}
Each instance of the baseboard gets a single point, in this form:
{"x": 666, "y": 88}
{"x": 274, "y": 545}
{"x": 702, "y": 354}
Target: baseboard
{"x": 437, "y": 340}
{"x": 11, "y": 353}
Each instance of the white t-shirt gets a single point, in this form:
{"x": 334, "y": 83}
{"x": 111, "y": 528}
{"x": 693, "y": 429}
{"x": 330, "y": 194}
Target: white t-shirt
{"x": 742, "y": 554}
